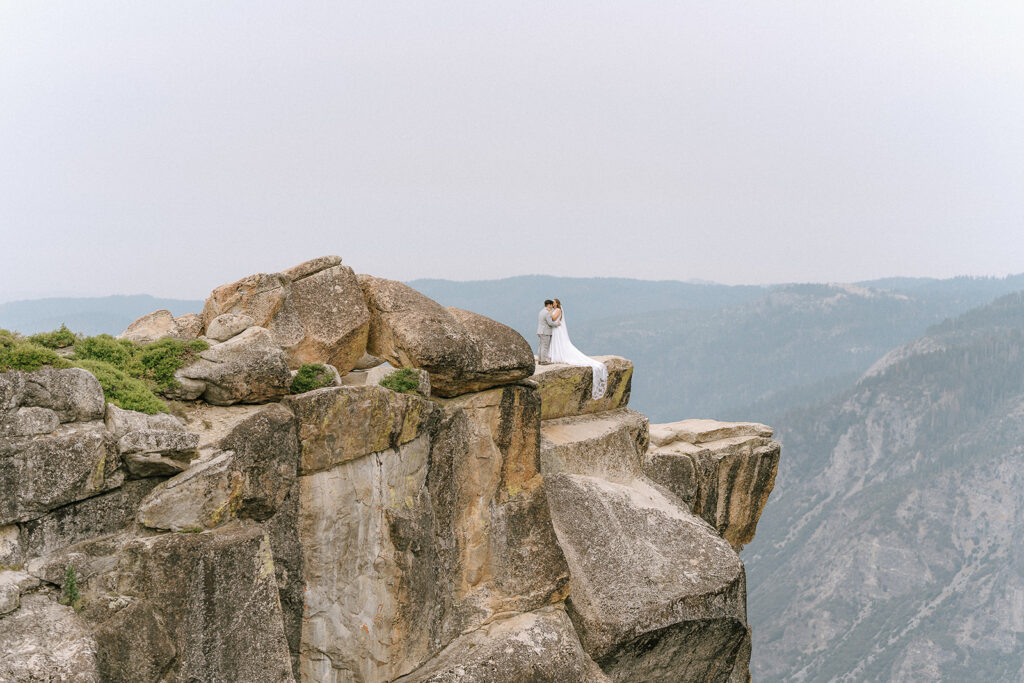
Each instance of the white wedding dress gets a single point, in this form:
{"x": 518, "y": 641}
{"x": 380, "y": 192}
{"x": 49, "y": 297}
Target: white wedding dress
{"x": 562, "y": 351}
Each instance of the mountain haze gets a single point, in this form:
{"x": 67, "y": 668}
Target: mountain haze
{"x": 94, "y": 315}
{"x": 892, "y": 547}
{"x": 730, "y": 352}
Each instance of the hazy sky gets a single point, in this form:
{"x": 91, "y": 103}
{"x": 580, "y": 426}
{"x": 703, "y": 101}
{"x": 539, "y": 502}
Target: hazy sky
{"x": 168, "y": 147}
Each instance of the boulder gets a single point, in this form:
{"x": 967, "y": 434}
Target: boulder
{"x": 462, "y": 351}
{"x": 611, "y": 444}
{"x": 29, "y": 422}
{"x": 566, "y": 390}
{"x": 249, "y": 368}
{"x": 72, "y": 393}
{"x": 703, "y": 650}
{"x": 161, "y": 324}
{"x": 647, "y": 575}
{"x": 120, "y": 421}
{"x": 45, "y": 641}
{"x": 314, "y": 311}
{"x": 205, "y": 496}
{"x": 505, "y": 356}
{"x": 247, "y": 475}
{"x": 228, "y": 325}
{"x": 216, "y": 599}
{"x": 157, "y": 452}
{"x": 337, "y": 424}
{"x": 724, "y": 471}
{"x": 38, "y": 474}
{"x": 190, "y": 326}
{"x": 151, "y": 445}
{"x": 676, "y": 470}
{"x": 536, "y": 646}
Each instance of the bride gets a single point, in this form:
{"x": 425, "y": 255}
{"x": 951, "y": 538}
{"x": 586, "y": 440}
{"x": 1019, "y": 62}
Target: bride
{"x": 562, "y": 351}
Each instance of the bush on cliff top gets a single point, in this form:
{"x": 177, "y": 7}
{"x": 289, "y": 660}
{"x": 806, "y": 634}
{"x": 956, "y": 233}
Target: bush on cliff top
{"x": 161, "y": 359}
{"x": 403, "y": 380}
{"x": 17, "y": 353}
{"x": 117, "y": 352}
{"x": 129, "y": 373}
{"x": 123, "y": 390}
{"x": 58, "y": 339}
{"x": 312, "y": 376}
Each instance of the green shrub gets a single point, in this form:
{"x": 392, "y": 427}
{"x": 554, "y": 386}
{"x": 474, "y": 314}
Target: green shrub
{"x": 127, "y": 372}
{"x": 117, "y": 352}
{"x": 24, "y": 355}
{"x": 312, "y": 376}
{"x": 121, "y": 389}
{"x": 161, "y": 359}
{"x": 58, "y": 339}
{"x": 403, "y": 380}
{"x": 69, "y": 591}
{"x": 8, "y": 339}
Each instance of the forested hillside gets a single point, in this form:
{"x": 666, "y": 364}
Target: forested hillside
{"x": 891, "y": 549}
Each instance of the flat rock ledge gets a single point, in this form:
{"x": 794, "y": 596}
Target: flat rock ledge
{"x": 566, "y": 390}
{"x": 723, "y": 471}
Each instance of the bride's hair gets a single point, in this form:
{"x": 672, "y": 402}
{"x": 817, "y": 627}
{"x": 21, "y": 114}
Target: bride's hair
{"x": 558, "y": 303}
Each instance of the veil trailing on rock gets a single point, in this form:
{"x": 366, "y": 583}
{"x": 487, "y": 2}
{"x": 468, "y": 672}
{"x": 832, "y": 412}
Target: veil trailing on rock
{"x": 562, "y": 351}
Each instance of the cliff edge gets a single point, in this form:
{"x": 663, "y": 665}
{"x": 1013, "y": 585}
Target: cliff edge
{"x": 489, "y": 522}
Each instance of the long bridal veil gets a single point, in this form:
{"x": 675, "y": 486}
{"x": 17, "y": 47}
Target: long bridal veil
{"x": 562, "y": 351}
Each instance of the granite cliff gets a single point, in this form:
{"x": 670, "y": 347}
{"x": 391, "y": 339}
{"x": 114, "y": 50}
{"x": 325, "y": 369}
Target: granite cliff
{"x": 494, "y": 523}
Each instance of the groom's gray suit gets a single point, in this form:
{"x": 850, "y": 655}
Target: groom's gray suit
{"x": 544, "y": 326}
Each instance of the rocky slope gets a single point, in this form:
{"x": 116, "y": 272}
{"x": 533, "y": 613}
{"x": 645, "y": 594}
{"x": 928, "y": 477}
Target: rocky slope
{"x": 892, "y": 548}
{"x": 495, "y": 525}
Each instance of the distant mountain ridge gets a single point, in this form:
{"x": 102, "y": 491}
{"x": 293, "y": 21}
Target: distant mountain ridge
{"x": 710, "y": 350}
{"x": 730, "y": 352}
{"x": 91, "y": 315}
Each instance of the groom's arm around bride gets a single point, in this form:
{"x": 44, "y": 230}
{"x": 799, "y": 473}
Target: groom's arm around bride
{"x": 545, "y": 323}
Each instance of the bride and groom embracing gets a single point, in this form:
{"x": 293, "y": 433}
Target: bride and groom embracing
{"x": 555, "y": 346}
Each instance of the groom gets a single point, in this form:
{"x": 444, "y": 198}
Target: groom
{"x": 544, "y": 326}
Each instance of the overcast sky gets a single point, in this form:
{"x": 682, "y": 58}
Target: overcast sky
{"x": 168, "y": 147}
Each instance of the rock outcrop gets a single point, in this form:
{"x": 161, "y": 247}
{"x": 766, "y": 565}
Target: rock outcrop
{"x": 248, "y": 368}
{"x": 462, "y": 351}
{"x": 724, "y": 471}
{"x": 315, "y": 311}
{"x": 496, "y": 524}
{"x": 566, "y": 390}
{"x": 160, "y": 325}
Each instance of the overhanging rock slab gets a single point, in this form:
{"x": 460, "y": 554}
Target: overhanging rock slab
{"x": 646, "y": 574}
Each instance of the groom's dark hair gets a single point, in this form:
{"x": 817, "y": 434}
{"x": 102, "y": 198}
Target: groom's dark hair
{"x": 548, "y": 302}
